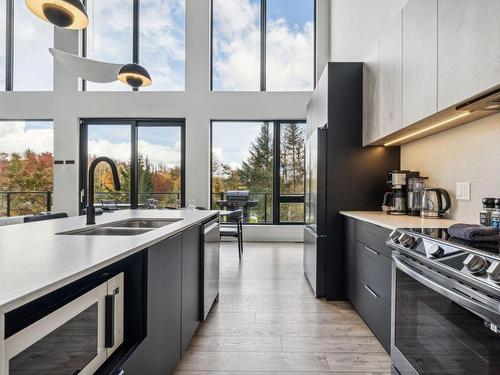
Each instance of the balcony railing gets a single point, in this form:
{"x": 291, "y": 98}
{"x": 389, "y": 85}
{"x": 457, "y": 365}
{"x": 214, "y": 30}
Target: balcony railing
{"x": 17, "y": 203}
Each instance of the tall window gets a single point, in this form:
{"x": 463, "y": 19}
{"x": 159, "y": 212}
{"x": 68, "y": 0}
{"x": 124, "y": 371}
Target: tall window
{"x": 265, "y": 158}
{"x": 26, "y": 167}
{"x": 263, "y": 45}
{"x": 149, "y": 156}
{"x": 148, "y": 32}
{"x": 29, "y": 38}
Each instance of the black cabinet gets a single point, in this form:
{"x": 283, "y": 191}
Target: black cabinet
{"x": 164, "y": 306}
{"x": 190, "y": 284}
{"x": 368, "y": 275}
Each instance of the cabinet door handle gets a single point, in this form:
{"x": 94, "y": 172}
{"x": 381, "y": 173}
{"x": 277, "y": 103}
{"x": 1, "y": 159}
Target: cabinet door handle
{"x": 371, "y": 291}
{"x": 371, "y": 250}
{"x": 121, "y": 372}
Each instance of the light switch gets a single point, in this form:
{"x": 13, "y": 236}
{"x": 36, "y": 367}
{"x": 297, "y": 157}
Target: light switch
{"x": 463, "y": 191}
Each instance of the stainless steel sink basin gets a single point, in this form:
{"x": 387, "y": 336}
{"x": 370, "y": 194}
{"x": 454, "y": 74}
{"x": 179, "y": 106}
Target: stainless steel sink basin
{"x": 128, "y": 227}
{"x": 109, "y": 231}
{"x": 143, "y": 223}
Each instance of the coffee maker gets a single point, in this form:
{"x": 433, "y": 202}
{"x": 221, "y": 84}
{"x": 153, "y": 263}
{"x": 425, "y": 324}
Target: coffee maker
{"x": 395, "y": 200}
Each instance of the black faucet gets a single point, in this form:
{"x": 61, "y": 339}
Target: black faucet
{"x": 116, "y": 180}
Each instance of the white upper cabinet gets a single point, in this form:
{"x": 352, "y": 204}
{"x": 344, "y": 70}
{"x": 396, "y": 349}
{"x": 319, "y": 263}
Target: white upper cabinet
{"x": 371, "y": 128}
{"x": 419, "y": 60}
{"x": 468, "y": 48}
{"x": 390, "y": 78}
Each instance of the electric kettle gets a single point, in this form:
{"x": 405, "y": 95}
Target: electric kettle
{"x": 435, "y": 202}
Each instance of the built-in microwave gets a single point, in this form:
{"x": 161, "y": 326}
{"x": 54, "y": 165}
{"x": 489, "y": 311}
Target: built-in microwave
{"x": 77, "y": 338}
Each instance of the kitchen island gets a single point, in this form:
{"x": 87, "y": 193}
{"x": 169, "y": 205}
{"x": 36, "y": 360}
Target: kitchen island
{"x": 39, "y": 262}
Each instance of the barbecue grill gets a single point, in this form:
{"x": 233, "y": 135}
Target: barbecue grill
{"x": 236, "y": 200}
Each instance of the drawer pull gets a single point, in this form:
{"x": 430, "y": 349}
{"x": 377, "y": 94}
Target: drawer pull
{"x": 371, "y": 251}
{"x": 371, "y": 291}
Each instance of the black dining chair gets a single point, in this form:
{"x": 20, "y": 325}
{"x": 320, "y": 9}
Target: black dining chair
{"x": 109, "y": 204}
{"x": 34, "y": 218}
{"x": 233, "y": 227}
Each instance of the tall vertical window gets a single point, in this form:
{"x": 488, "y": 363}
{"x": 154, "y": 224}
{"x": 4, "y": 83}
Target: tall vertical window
{"x": 26, "y": 167}
{"x": 162, "y": 43}
{"x": 236, "y": 33}
{"x": 263, "y": 45}
{"x": 289, "y": 45}
{"x": 265, "y": 158}
{"x": 149, "y": 156}
{"x": 109, "y": 37}
{"x": 25, "y": 61}
{"x": 148, "y": 32}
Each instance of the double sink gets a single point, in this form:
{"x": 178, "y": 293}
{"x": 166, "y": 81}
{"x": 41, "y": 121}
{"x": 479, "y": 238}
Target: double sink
{"x": 129, "y": 227}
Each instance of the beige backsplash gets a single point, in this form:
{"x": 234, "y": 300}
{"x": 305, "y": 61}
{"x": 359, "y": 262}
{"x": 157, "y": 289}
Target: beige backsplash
{"x": 468, "y": 153}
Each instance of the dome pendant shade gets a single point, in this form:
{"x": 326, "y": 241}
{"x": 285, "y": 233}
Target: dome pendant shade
{"x": 68, "y": 14}
{"x": 134, "y": 75}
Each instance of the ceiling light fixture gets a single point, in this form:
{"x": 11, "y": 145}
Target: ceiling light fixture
{"x": 447, "y": 121}
{"x": 68, "y": 14}
{"x": 134, "y": 75}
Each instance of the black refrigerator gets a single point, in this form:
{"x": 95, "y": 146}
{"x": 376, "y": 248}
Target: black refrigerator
{"x": 340, "y": 174}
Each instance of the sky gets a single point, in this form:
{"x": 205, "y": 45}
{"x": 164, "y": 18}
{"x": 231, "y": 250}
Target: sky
{"x": 17, "y": 136}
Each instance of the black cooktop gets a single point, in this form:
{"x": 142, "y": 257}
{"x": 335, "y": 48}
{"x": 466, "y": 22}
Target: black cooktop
{"x": 443, "y": 235}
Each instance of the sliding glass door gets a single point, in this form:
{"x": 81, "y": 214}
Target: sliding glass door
{"x": 149, "y": 155}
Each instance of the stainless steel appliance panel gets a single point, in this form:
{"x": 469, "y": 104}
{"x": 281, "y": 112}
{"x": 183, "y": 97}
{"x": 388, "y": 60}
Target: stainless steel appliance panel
{"x": 437, "y": 329}
{"x": 210, "y": 268}
{"x": 314, "y": 259}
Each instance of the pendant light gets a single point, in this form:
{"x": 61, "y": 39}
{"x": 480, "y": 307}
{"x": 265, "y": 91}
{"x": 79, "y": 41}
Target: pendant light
{"x": 68, "y": 14}
{"x": 134, "y": 75}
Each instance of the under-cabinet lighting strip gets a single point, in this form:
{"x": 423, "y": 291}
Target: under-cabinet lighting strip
{"x": 427, "y": 129}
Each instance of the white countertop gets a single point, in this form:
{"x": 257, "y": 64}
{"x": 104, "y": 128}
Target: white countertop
{"x": 397, "y": 221}
{"x": 34, "y": 260}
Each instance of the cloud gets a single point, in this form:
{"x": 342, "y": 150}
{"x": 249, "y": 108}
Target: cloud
{"x": 158, "y": 155}
{"x": 16, "y": 138}
{"x": 162, "y": 49}
{"x": 237, "y": 49}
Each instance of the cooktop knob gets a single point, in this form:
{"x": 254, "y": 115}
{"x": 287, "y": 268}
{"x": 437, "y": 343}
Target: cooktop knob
{"x": 406, "y": 240}
{"x": 435, "y": 250}
{"x": 476, "y": 264}
{"x": 493, "y": 272}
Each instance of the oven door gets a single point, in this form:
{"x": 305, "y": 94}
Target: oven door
{"x": 74, "y": 339}
{"x": 440, "y": 326}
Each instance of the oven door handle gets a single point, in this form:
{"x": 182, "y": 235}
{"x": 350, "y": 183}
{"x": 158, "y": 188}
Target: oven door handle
{"x": 485, "y": 311}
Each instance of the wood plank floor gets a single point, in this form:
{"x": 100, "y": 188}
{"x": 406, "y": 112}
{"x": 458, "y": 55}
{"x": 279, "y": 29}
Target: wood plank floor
{"x": 267, "y": 321}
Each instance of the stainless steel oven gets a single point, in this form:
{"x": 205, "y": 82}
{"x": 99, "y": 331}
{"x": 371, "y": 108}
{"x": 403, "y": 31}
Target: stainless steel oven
{"x": 77, "y": 338}
{"x": 440, "y": 324}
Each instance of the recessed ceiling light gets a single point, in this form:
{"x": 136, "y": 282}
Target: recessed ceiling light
{"x": 134, "y": 75}
{"x": 68, "y": 14}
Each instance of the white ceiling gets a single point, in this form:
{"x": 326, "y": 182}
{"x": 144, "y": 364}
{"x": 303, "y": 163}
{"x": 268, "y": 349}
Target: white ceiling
{"x": 356, "y": 25}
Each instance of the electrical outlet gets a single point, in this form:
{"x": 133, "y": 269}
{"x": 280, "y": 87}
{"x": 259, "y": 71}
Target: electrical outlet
{"x": 463, "y": 191}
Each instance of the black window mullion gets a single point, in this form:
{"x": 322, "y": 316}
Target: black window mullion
{"x": 9, "y": 45}
{"x": 276, "y": 172}
{"x": 136, "y": 35}
{"x": 263, "y": 43}
{"x": 134, "y": 199}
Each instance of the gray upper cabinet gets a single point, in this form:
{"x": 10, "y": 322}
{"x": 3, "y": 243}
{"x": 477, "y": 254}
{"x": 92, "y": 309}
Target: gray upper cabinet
{"x": 469, "y": 48}
{"x": 390, "y": 70}
{"x": 419, "y": 60}
{"x": 371, "y": 128}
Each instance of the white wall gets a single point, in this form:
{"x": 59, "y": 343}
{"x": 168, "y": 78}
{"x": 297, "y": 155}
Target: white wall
{"x": 467, "y": 153}
{"x": 356, "y": 25}
{"x": 66, "y": 105}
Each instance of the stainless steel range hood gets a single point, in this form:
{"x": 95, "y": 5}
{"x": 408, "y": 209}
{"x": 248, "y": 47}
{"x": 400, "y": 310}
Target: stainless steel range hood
{"x": 478, "y": 106}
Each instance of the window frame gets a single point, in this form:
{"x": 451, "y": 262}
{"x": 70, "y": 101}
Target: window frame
{"x": 277, "y": 199}
{"x": 134, "y": 152}
{"x": 136, "y": 36}
{"x": 263, "y": 45}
